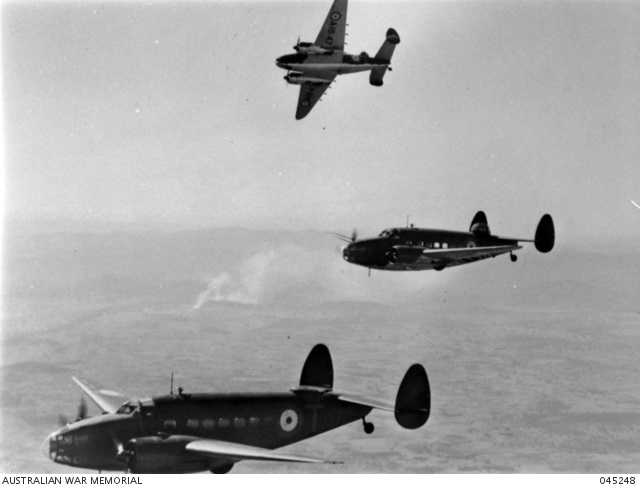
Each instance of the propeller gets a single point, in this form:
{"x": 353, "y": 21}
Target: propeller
{"x": 82, "y": 413}
{"x": 82, "y": 409}
{"x": 342, "y": 237}
{"x": 297, "y": 46}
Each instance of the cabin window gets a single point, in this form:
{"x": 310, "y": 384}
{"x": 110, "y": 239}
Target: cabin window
{"x": 421, "y": 243}
{"x": 239, "y": 422}
{"x": 409, "y": 243}
{"x": 254, "y": 421}
{"x": 224, "y": 423}
{"x": 170, "y": 424}
{"x": 445, "y": 245}
{"x": 436, "y": 245}
{"x": 208, "y": 423}
{"x": 193, "y": 423}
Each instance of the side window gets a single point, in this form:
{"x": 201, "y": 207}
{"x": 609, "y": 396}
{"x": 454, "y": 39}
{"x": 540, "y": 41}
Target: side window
{"x": 224, "y": 423}
{"x": 193, "y": 423}
{"x": 170, "y": 424}
{"x": 254, "y": 421}
{"x": 445, "y": 245}
{"x": 436, "y": 245}
{"x": 239, "y": 422}
{"x": 208, "y": 423}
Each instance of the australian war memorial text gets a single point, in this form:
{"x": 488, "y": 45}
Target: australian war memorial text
{"x": 71, "y": 480}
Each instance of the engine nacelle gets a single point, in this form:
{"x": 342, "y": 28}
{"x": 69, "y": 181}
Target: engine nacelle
{"x": 155, "y": 454}
{"x": 299, "y": 79}
{"x": 404, "y": 254}
{"x": 309, "y": 48}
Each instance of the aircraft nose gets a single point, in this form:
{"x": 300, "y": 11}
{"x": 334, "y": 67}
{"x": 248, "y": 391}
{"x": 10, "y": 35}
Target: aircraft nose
{"x": 345, "y": 253}
{"x": 48, "y": 447}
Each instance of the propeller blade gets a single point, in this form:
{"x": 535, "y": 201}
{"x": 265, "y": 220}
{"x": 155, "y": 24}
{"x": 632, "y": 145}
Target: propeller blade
{"x": 354, "y": 235}
{"x": 340, "y": 236}
{"x": 82, "y": 409}
{"x": 82, "y": 413}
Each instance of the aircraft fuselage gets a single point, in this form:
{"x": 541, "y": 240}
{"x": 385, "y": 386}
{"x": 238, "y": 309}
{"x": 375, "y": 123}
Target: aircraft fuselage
{"x": 160, "y": 427}
{"x": 328, "y": 65}
{"x": 410, "y": 242}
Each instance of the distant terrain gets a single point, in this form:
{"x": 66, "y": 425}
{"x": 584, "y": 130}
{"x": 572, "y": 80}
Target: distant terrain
{"x": 533, "y": 365}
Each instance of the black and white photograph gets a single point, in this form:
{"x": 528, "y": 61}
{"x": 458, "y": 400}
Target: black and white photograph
{"x": 320, "y": 237}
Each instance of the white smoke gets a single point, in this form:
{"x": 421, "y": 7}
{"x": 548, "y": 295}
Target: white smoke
{"x": 295, "y": 273}
{"x": 247, "y": 287}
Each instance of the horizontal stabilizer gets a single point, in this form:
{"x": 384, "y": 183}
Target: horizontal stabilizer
{"x": 413, "y": 402}
{"x": 318, "y": 368}
{"x": 384, "y": 55}
{"x": 367, "y": 402}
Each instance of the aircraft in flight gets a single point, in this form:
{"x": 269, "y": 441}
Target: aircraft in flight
{"x": 315, "y": 65}
{"x": 192, "y": 432}
{"x": 414, "y": 249}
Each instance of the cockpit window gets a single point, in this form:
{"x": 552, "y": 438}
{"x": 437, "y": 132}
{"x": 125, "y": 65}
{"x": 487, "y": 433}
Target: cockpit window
{"x": 390, "y": 233}
{"x": 129, "y": 407}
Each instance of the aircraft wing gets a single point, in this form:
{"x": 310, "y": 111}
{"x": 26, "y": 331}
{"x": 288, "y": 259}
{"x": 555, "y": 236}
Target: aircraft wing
{"x": 108, "y": 400}
{"x": 239, "y": 452}
{"x": 333, "y": 30}
{"x": 452, "y": 257}
{"x": 310, "y": 93}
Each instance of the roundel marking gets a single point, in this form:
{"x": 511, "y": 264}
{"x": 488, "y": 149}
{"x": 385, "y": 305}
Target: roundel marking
{"x": 471, "y": 244}
{"x": 335, "y": 15}
{"x": 305, "y": 104}
{"x": 288, "y": 420}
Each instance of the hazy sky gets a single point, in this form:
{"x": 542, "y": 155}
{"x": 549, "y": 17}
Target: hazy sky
{"x": 175, "y": 112}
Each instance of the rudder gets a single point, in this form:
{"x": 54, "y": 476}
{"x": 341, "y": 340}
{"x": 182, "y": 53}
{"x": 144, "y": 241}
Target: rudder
{"x": 413, "y": 402}
{"x": 318, "y": 368}
{"x": 545, "y": 234}
{"x": 480, "y": 224}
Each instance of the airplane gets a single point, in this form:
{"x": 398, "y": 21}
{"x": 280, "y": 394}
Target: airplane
{"x": 192, "y": 432}
{"x": 315, "y": 65}
{"x": 414, "y": 249}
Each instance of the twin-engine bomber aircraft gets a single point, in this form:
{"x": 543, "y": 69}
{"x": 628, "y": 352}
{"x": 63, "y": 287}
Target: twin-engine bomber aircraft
{"x": 315, "y": 65}
{"x": 413, "y": 249}
{"x": 191, "y": 432}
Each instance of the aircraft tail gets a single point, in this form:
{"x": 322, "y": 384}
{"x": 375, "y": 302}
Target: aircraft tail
{"x": 479, "y": 224}
{"x": 384, "y": 55}
{"x": 545, "y": 234}
{"x": 318, "y": 368}
{"x": 413, "y": 402}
